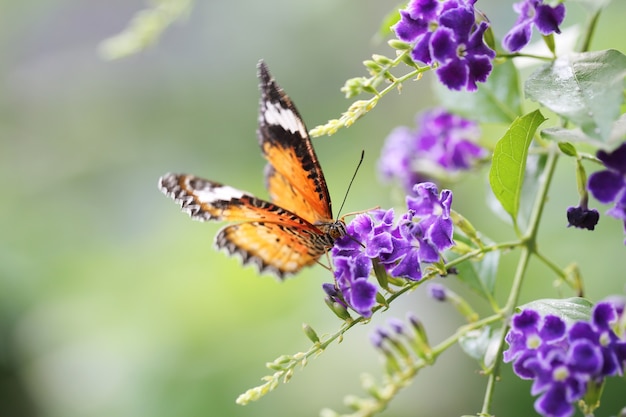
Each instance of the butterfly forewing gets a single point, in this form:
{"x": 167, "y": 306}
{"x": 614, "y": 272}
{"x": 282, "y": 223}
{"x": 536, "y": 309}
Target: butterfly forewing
{"x": 294, "y": 177}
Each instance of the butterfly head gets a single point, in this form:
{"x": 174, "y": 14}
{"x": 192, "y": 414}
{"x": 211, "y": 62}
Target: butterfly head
{"x": 333, "y": 230}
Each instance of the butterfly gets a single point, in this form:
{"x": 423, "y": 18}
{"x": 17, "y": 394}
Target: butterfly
{"x": 296, "y": 226}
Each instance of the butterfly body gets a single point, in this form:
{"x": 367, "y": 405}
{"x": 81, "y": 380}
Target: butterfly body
{"x": 296, "y": 226}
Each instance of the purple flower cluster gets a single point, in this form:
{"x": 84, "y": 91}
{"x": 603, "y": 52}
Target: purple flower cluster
{"x": 446, "y": 33}
{"x": 442, "y": 142}
{"x": 563, "y": 360}
{"x": 609, "y": 185}
{"x": 400, "y": 247}
{"x": 533, "y": 12}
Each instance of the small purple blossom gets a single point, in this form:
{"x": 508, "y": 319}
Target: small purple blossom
{"x": 400, "y": 247}
{"x": 446, "y": 33}
{"x": 443, "y": 142}
{"x": 563, "y": 360}
{"x": 582, "y": 217}
{"x": 533, "y": 12}
{"x": 609, "y": 185}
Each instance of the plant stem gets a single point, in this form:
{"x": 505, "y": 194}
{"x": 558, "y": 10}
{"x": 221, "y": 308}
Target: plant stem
{"x": 528, "y": 250}
{"x": 584, "y": 47}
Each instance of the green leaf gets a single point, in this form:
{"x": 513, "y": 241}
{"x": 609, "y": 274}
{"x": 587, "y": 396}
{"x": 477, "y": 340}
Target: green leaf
{"x": 586, "y": 89}
{"x": 559, "y": 134}
{"x": 496, "y": 101}
{"x": 509, "y": 161}
{"x": 475, "y": 342}
{"x": 570, "y": 309}
{"x": 482, "y": 344}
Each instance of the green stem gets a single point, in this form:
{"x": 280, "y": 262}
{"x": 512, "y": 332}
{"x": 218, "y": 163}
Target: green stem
{"x": 528, "y": 250}
{"x": 554, "y": 267}
{"x": 586, "y": 43}
{"x": 520, "y": 55}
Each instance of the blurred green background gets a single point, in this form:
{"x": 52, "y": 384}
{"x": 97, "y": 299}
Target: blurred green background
{"x": 113, "y": 303}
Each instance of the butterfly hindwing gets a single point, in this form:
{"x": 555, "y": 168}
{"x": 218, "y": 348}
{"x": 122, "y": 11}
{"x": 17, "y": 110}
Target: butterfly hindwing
{"x": 278, "y": 248}
{"x": 293, "y": 177}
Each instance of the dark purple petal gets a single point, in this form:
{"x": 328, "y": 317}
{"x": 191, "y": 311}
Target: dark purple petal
{"x": 443, "y": 46}
{"x": 610, "y": 364}
{"x": 548, "y": 19}
{"x": 553, "y": 328}
{"x": 615, "y": 160}
{"x": 421, "y": 50}
{"x": 517, "y": 344}
{"x": 427, "y": 9}
{"x": 361, "y": 226}
{"x": 479, "y": 69}
{"x": 440, "y": 234}
{"x": 518, "y": 37}
{"x": 604, "y": 315}
{"x": 582, "y": 218}
{"x": 476, "y": 45}
{"x": 528, "y": 366}
{"x": 428, "y": 252}
{"x": 409, "y": 29}
{"x": 381, "y": 243}
{"x": 454, "y": 74}
{"x": 408, "y": 267}
{"x": 460, "y": 21}
{"x": 362, "y": 296}
{"x": 585, "y": 357}
{"x": 554, "y": 403}
{"x": 606, "y": 185}
{"x": 526, "y": 322}
{"x": 582, "y": 330}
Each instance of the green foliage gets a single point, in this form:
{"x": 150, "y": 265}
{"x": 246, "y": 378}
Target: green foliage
{"x": 570, "y": 309}
{"x": 585, "y": 89}
{"x": 509, "y": 161}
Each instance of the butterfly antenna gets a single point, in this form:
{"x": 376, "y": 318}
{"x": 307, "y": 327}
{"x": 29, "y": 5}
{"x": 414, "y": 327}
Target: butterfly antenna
{"x": 351, "y": 181}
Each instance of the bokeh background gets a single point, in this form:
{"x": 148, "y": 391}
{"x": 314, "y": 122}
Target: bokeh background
{"x": 113, "y": 303}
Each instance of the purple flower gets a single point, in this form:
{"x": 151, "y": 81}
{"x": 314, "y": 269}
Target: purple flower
{"x": 446, "y": 33}
{"x": 609, "y": 185}
{"x": 443, "y": 142}
{"x": 562, "y": 361}
{"x": 418, "y": 236}
{"x": 546, "y": 18}
{"x": 582, "y": 217}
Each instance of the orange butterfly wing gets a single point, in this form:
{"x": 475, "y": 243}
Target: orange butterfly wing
{"x": 293, "y": 175}
{"x": 272, "y": 238}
